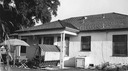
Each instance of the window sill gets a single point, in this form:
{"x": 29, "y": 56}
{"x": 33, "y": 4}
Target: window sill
{"x": 66, "y": 55}
{"x": 119, "y": 56}
{"x": 23, "y": 53}
{"x": 84, "y": 51}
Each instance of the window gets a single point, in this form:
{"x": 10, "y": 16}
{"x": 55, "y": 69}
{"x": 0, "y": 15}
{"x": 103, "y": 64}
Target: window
{"x": 48, "y": 40}
{"x": 86, "y": 43}
{"x": 23, "y": 48}
{"x": 40, "y": 40}
{"x": 119, "y": 45}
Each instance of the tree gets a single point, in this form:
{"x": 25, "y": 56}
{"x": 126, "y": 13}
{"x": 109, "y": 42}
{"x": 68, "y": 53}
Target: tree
{"x": 17, "y": 14}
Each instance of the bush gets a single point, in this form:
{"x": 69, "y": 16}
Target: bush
{"x": 111, "y": 67}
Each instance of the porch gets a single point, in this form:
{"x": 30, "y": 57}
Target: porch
{"x": 60, "y": 38}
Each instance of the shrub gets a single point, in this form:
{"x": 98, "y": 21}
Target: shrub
{"x": 111, "y": 67}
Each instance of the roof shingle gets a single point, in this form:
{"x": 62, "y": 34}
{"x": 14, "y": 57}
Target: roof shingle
{"x": 85, "y": 23}
{"x": 51, "y": 25}
{"x": 99, "y": 22}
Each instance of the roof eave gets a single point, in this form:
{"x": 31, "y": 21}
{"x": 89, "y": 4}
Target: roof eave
{"x": 102, "y": 30}
{"x": 40, "y": 30}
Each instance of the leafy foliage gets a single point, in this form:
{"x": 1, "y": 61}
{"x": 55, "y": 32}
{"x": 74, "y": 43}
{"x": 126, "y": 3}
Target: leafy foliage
{"x": 15, "y": 14}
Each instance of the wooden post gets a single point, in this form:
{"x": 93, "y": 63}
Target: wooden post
{"x": 14, "y": 56}
{"x": 19, "y": 47}
{"x": 62, "y": 50}
{"x": 8, "y": 58}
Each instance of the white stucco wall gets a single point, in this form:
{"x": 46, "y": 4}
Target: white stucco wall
{"x": 101, "y": 48}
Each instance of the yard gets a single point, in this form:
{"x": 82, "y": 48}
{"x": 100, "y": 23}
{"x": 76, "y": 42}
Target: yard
{"x": 47, "y": 69}
{"x": 103, "y": 67}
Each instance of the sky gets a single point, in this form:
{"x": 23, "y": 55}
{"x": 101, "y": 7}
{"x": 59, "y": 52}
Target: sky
{"x": 75, "y": 8}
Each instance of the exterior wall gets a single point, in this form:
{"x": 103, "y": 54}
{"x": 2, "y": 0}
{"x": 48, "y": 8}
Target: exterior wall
{"x": 31, "y": 51}
{"x": 101, "y": 48}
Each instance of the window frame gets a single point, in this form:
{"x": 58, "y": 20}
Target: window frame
{"x": 40, "y": 40}
{"x": 88, "y": 43}
{"x": 49, "y": 37}
{"x": 116, "y": 47}
{"x": 23, "y": 47}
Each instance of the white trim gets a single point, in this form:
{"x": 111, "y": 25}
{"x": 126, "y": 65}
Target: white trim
{"x": 40, "y": 33}
{"x": 47, "y": 32}
{"x": 68, "y": 32}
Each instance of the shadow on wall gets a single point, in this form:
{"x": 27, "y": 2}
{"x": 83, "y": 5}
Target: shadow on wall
{"x": 32, "y": 51}
{"x": 69, "y": 61}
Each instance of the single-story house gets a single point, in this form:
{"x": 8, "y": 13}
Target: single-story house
{"x": 97, "y": 38}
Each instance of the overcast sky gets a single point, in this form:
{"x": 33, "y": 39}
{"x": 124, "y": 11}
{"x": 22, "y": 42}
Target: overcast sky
{"x": 74, "y": 8}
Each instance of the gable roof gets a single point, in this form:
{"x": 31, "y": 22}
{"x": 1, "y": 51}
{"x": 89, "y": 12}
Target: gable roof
{"x": 107, "y": 21}
{"x": 49, "y": 48}
{"x": 100, "y": 22}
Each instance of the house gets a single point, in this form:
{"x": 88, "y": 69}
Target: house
{"x": 99, "y": 38}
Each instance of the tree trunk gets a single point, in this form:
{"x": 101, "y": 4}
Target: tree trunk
{"x": 8, "y": 53}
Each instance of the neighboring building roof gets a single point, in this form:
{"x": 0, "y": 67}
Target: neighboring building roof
{"x": 87, "y": 23}
{"x": 49, "y": 48}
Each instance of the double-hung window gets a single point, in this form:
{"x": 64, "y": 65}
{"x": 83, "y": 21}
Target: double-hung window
{"x": 119, "y": 45}
{"x": 86, "y": 43}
